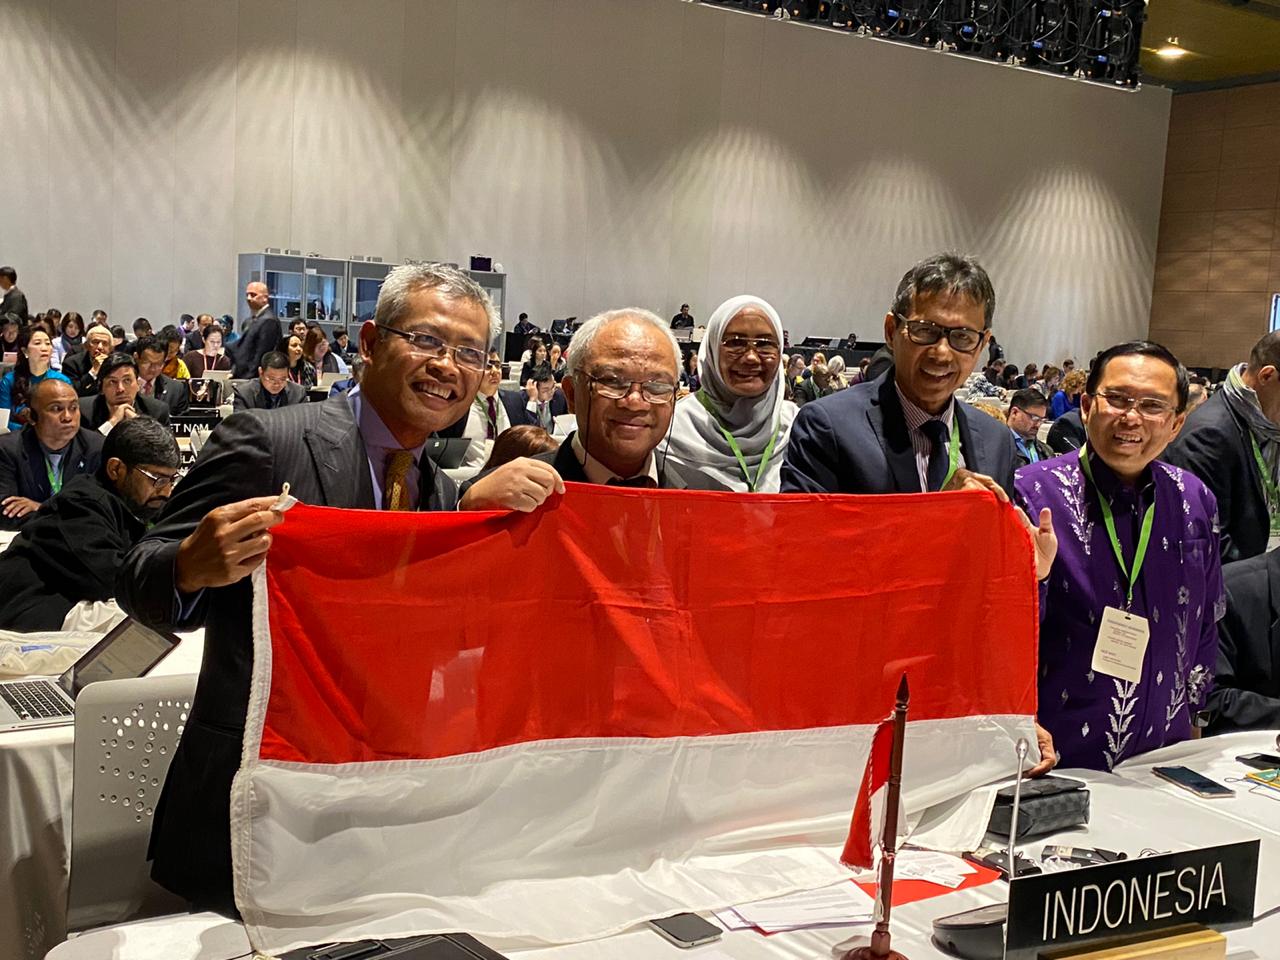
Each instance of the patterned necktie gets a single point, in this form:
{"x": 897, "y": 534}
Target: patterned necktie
{"x": 939, "y": 459}
{"x": 396, "y": 492}
{"x": 491, "y": 428}
{"x": 146, "y": 388}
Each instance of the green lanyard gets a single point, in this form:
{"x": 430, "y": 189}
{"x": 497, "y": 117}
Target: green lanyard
{"x": 953, "y": 453}
{"x": 752, "y": 485}
{"x": 55, "y": 476}
{"x": 1144, "y": 538}
{"x": 1269, "y": 485}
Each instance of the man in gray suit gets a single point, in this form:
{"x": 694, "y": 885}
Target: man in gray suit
{"x": 904, "y": 432}
{"x": 262, "y": 332}
{"x": 424, "y": 355}
{"x": 272, "y": 389}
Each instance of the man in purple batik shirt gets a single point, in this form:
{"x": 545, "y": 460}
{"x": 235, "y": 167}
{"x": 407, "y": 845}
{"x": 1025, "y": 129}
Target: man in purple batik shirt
{"x": 1137, "y": 557}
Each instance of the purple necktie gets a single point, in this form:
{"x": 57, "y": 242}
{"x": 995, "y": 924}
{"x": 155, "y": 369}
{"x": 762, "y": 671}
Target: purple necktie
{"x": 491, "y": 429}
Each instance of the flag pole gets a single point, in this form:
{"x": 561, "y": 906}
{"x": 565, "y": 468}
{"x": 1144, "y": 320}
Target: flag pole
{"x": 880, "y": 948}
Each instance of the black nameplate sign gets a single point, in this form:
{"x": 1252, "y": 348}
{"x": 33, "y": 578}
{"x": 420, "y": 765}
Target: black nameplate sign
{"x": 1213, "y": 886}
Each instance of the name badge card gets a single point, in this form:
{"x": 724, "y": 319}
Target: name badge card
{"x": 1122, "y": 645}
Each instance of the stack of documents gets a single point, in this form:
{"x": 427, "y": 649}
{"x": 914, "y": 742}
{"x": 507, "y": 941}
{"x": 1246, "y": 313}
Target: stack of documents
{"x": 841, "y": 905}
{"x": 940, "y": 868}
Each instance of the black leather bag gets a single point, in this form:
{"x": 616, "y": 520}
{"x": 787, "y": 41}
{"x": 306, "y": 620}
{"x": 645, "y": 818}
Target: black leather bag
{"x": 1048, "y": 805}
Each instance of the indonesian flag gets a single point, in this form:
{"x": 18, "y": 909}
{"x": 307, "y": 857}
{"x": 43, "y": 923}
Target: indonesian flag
{"x": 548, "y": 727}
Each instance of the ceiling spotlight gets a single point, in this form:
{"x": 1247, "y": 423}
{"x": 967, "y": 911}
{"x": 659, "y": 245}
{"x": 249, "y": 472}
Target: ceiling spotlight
{"x": 1171, "y": 50}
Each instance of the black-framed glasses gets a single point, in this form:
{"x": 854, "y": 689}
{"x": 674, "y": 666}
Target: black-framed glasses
{"x": 619, "y": 388}
{"x": 158, "y": 481}
{"x": 766, "y": 348}
{"x": 469, "y": 358}
{"x": 926, "y": 333}
{"x": 1149, "y": 408}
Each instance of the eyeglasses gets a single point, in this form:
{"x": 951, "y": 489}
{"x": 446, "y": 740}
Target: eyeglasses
{"x": 469, "y": 358}
{"x": 926, "y": 333}
{"x": 1149, "y": 408}
{"x": 1035, "y": 420}
{"x": 766, "y": 348}
{"x": 158, "y": 481}
{"x": 493, "y": 365}
{"x": 618, "y": 388}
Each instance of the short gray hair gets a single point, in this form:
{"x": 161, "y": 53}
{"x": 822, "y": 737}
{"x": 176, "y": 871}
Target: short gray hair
{"x": 584, "y": 337}
{"x": 415, "y": 276}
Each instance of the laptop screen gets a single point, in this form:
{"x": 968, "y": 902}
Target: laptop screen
{"x": 127, "y": 652}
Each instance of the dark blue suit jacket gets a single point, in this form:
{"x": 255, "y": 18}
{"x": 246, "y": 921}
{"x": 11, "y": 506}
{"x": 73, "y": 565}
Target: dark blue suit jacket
{"x": 856, "y": 441}
{"x": 22, "y": 469}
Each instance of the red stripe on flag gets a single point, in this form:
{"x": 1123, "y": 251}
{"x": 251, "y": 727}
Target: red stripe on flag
{"x": 861, "y": 841}
{"x": 621, "y": 613}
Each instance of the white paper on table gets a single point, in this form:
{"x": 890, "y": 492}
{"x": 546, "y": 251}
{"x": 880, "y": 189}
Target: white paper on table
{"x": 931, "y": 866}
{"x": 730, "y": 920}
{"x": 837, "y": 905}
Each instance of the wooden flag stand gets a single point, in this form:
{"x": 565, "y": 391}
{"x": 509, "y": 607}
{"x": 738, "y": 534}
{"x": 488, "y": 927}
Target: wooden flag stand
{"x": 880, "y": 948}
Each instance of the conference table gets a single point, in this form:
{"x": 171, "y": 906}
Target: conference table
{"x": 35, "y": 774}
{"x": 1132, "y": 810}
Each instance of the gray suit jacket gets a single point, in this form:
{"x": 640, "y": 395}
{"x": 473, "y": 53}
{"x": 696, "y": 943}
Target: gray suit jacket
{"x": 856, "y": 441}
{"x": 317, "y": 448}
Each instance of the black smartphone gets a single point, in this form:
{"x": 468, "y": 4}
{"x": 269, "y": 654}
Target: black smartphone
{"x": 1259, "y": 761}
{"x": 1196, "y": 783}
{"x": 687, "y": 929}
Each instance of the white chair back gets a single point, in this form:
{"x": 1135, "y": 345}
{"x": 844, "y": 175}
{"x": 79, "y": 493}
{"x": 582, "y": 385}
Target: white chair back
{"x": 125, "y": 735}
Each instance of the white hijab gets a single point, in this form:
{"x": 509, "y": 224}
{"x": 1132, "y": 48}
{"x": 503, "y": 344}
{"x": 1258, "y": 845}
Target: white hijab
{"x": 697, "y": 440}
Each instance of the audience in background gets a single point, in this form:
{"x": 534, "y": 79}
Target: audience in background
{"x": 171, "y": 341}
{"x": 493, "y": 412}
{"x": 1050, "y": 380}
{"x": 1246, "y": 687}
{"x": 520, "y": 441}
{"x": 538, "y": 357}
{"x": 81, "y": 367}
{"x": 816, "y": 386}
{"x": 342, "y": 344}
{"x": 271, "y": 389}
{"x": 1026, "y": 413}
{"x": 301, "y": 371}
{"x": 9, "y": 330}
{"x": 523, "y": 326}
{"x": 835, "y": 373}
{"x": 13, "y": 302}
{"x": 1199, "y": 392}
{"x": 557, "y": 362}
{"x": 37, "y": 461}
{"x": 35, "y": 355}
{"x": 1232, "y": 443}
{"x": 544, "y": 402}
{"x": 210, "y": 356}
{"x": 1067, "y": 398}
{"x": 118, "y": 339}
{"x": 73, "y": 548}
{"x": 733, "y": 429}
{"x": 690, "y": 380}
{"x": 141, "y": 328}
{"x": 1138, "y": 549}
{"x": 315, "y": 348}
{"x": 117, "y": 398}
{"x": 149, "y": 353}
{"x": 298, "y": 328}
{"x": 71, "y": 338}
{"x": 1067, "y": 433}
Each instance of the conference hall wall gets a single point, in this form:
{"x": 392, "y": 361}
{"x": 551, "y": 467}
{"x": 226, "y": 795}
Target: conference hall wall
{"x": 607, "y": 152}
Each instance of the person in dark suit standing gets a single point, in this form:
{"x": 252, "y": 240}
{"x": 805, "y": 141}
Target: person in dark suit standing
{"x": 1232, "y": 443}
{"x": 1246, "y": 685}
{"x": 904, "y": 432}
{"x": 14, "y": 300}
{"x": 36, "y": 462}
{"x": 272, "y": 389}
{"x": 118, "y": 398}
{"x": 262, "y": 332}
{"x": 72, "y": 548}
{"x": 624, "y": 369}
{"x": 424, "y": 355}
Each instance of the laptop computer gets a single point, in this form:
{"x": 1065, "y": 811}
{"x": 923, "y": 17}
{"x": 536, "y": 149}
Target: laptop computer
{"x": 448, "y": 452}
{"x": 216, "y": 375}
{"x": 128, "y": 651}
{"x": 329, "y": 378}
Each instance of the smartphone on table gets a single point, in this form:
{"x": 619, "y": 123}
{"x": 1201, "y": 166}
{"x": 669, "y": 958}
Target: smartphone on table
{"x": 687, "y": 929}
{"x": 1259, "y": 761}
{"x": 1196, "y": 783}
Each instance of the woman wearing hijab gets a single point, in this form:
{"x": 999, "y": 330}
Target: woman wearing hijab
{"x": 733, "y": 430}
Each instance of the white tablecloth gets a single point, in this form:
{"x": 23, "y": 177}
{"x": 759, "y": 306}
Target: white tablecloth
{"x": 1131, "y": 810}
{"x": 35, "y": 792}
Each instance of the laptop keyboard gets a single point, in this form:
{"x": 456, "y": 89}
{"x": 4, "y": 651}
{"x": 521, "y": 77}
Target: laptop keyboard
{"x": 33, "y": 700}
